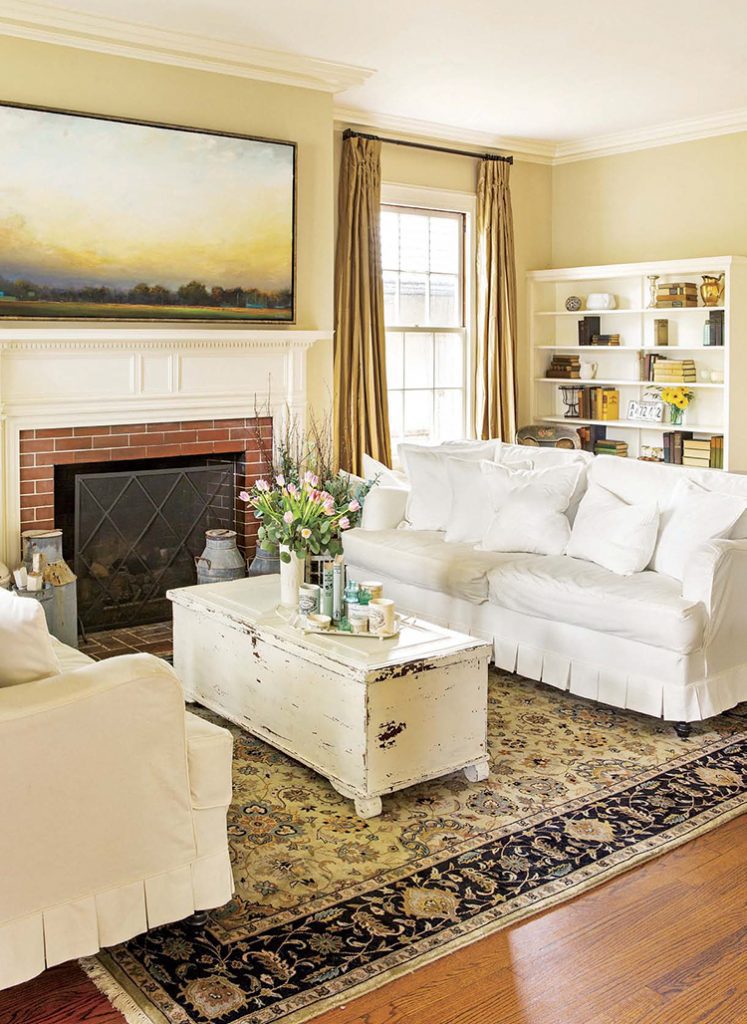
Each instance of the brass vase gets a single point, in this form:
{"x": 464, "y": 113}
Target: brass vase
{"x": 712, "y": 289}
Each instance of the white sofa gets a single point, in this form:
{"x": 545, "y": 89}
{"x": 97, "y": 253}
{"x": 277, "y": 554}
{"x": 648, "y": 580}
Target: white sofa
{"x": 113, "y": 808}
{"x": 648, "y": 642}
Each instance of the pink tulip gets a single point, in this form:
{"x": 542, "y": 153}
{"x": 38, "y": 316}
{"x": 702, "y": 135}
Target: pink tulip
{"x": 244, "y": 496}
{"x": 292, "y": 489}
{"x": 329, "y": 509}
{"x": 262, "y": 485}
{"x": 310, "y": 478}
{"x": 280, "y": 480}
{"x": 288, "y": 517}
{"x": 354, "y": 505}
{"x": 344, "y": 523}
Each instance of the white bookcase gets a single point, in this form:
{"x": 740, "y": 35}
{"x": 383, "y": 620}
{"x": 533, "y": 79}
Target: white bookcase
{"x": 718, "y": 408}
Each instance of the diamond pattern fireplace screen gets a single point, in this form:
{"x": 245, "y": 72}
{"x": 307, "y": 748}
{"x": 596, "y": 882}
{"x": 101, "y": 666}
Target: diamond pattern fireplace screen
{"x": 137, "y": 535}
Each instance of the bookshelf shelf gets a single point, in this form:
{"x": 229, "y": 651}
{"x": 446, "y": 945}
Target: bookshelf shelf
{"x": 652, "y": 310}
{"x": 554, "y": 330}
{"x": 696, "y": 428}
{"x": 625, "y": 383}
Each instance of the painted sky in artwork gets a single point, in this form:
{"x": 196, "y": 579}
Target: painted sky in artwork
{"x": 85, "y": 201}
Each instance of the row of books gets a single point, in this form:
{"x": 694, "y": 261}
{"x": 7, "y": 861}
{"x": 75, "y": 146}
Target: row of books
{"x": 564, "y": 368}
{"x": 677, "y": 295}
{"x": 590, "y": 333}
{"x": 682, "y": 448}
{"x": 598, "y": 403}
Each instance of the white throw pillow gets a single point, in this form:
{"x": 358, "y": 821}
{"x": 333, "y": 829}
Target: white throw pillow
{"x": 26, "y": 651}
{"x": 618, "y": 536}
{"x": 429, "y": 500}
{"x": 692, "y": 517}
{"x": 384, "y": 476}
{"x": 531, "y": 509}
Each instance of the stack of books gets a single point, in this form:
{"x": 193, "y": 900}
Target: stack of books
{"x": 647, "y": 365}
{"x": 608, "y": 446}
{"x": 677, "y": 295}
{"x": 565, "y": 367}
{"x": 605, "y": 339}
{"x": 598, "y": 403}
{"x": 705, "y": 452}
{"x": 674, "y": 371}
{"x": 591, "y": 435}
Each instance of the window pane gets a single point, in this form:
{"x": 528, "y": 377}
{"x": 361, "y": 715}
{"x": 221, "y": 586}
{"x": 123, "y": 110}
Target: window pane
{"x": 412, "y": 312}
{"x": 396, "y": 418}
{"x": 413, "y": 234}
{"x": 449, "y": 415}
{"x": 391, "y": 305}
{"x": 449, "y": 360}
{"x": 418, "y": 415}
{"x": 418, "y": 360}
{"x": 445, "y": 244}
{"x": 445, "y": 307}
{"x": 389, "y": 240}
{"x": 395, "y": 359}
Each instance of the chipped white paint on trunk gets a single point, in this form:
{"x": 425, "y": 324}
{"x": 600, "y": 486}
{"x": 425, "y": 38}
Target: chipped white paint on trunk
{"x": 372, "y": 716}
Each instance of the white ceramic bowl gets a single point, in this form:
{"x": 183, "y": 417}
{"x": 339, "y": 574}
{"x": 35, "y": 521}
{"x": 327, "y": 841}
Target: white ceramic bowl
{"x": 601, "y": 300}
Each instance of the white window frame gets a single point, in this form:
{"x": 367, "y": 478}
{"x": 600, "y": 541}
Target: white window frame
{"x": 449, "y": 201}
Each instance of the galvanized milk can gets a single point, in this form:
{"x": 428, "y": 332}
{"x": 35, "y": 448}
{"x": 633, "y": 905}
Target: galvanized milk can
{"x": 221, "y": 560}
{"x": 62, "y": 610}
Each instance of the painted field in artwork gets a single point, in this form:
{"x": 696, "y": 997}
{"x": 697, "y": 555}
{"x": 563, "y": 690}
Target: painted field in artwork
{"x": 104, "y": 219}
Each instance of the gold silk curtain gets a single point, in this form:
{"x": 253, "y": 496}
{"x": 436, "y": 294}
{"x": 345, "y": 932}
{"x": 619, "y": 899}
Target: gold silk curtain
{"x": 495, "y": 366}
{"x": 361, "y": 410}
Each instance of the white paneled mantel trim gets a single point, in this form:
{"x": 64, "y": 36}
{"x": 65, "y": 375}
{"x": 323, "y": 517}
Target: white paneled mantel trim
{"x": 42, "y": 23}
{"x": 68, "y": 377}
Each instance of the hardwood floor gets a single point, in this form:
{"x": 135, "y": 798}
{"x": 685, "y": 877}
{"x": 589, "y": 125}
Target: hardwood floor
{"x": 664, "y": 944}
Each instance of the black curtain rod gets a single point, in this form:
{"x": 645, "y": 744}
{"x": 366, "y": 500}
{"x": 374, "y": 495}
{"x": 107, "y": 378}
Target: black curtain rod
{"x": 349, "y": 133}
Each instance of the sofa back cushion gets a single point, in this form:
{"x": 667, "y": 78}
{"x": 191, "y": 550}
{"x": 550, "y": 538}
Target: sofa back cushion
{"x": 615, "y": 534}
{"x": 547, "y": 458}
{"x": 429, "y": 500}
{"x": 636, "y": 481}
{"x": 26, "y": 651}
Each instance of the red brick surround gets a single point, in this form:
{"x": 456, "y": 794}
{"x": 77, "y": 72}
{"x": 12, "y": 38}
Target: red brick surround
{"x": 42, "y": 450}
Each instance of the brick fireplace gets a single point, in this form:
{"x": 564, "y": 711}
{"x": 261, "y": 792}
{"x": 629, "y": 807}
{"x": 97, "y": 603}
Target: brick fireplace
{"x": 40, "y": 450}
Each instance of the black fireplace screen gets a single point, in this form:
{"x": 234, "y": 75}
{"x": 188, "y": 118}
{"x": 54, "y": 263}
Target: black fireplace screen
{"x": 137, "y": 535}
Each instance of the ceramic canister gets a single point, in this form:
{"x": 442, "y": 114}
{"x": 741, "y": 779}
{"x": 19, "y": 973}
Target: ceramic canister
{"x": 381, "y": 619}
{"x": 308, "y": 599}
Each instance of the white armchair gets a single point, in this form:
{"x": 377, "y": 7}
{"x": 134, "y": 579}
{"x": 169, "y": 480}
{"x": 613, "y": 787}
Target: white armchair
{"x": 113, "y": 808}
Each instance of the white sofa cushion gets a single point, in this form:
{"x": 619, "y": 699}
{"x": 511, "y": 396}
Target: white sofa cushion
{"x": 646, "y": 607}
{"x": 424, "y": 559}
{"x": 643, "y": 481}
{"x": 692, "y": 517}
{"x": 614, "y": 534}
{"x": 429, "y": 501}
{"x": 384, "y": 476}
{"x": 472, "y": 508}
{"x": 26, "y": 651}
{"x": 531, "y": 507}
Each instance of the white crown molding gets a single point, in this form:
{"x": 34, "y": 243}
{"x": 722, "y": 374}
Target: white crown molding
{"x": 545, "y": 152}
{"x": 689, "y": 130}
{"x": 532, "y": 150}
{"x": 41, "y": 23}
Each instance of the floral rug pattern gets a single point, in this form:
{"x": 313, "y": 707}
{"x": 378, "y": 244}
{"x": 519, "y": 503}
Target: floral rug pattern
{"x": 326, "y": 903}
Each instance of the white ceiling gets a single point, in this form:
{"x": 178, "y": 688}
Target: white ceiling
{"x": 548, "y": 70}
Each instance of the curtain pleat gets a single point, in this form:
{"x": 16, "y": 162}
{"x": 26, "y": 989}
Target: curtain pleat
{"x": 495, "y": 365}
{"x": 361, "y": 412}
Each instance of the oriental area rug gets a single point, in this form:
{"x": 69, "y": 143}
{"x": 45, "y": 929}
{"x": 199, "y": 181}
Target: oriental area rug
{"x": 328, "y": 906}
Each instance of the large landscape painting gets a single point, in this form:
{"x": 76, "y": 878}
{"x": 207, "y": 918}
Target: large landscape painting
{"x": 110, "y": 219}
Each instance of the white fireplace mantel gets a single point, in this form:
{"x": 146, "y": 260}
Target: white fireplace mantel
{"x": 72, "y": 376}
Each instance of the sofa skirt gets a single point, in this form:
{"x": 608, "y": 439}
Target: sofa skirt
{"x": 599, "y": 666}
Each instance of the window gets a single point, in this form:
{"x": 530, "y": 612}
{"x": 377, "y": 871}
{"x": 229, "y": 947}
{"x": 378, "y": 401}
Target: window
{"x": 423, "y": 257}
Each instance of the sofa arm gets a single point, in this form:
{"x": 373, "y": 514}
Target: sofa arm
{"x": 384, "y": 508}
{"x": 94, "y": 789}
{"x": 717, "y": 577}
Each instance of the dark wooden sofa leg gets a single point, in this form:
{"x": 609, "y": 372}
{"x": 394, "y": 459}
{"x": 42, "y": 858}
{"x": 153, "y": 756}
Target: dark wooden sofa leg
{"x": 683, "y": 729}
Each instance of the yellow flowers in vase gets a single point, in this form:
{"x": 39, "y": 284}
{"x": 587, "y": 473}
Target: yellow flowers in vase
{"x": 678, "y": 400}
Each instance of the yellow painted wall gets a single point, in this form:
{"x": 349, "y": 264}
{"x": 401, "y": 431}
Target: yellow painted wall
{"x": 670, "y": 202}
{"x": 72, "y": 79}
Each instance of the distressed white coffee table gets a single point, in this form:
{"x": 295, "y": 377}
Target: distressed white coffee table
{"x": 372, "y": 716}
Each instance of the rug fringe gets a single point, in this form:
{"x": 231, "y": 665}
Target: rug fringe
{"x": 110, "y": 987}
